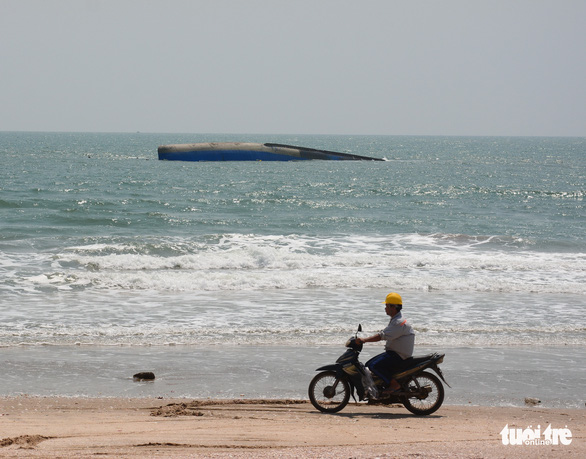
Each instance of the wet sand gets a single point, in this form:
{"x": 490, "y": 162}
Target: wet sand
{"x": 153, "y": 427}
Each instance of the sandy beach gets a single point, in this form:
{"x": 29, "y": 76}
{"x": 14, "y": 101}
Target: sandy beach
{"x": 154, "y": 427}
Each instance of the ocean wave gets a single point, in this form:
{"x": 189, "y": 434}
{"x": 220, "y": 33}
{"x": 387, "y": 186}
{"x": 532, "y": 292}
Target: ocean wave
{"x": 154, "y": 334}
{"x": 438, "y": 262}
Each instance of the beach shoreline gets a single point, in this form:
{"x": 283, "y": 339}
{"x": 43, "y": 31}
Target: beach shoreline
{"x": 498, "y": 376}
{"x": 165, "y": 427}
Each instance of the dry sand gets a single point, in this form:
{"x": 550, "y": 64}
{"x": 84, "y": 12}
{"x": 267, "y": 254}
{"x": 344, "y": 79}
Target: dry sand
{"x": 116, "y": 427}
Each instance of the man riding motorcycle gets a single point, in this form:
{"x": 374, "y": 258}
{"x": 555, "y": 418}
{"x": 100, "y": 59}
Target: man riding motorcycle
{"x": 400, "y": 341}
{"x": 419, "y": 390}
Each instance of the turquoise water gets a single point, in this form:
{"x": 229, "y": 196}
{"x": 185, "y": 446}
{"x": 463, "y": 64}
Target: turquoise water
{"x": 528, "y": 189}
{"x": 102, "y": 245}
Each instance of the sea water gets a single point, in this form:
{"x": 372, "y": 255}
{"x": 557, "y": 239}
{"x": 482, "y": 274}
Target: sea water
{"x": 241, "y": 278}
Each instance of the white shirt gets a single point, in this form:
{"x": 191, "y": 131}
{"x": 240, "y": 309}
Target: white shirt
{"x": 400, "y": 336}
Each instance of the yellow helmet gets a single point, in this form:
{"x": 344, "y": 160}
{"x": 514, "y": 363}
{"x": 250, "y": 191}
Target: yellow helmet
{"x": 393, "y": 298}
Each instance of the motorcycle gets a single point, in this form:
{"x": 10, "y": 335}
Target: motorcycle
{"x": 421, "y": 392}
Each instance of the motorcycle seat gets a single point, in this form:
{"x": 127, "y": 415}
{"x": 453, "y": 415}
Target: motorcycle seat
{"x": 412, "y": 362}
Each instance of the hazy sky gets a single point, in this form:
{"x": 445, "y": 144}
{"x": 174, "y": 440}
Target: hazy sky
{"x": 437, "y": 67}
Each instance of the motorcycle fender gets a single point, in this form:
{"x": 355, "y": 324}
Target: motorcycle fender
{"x": 440, "y": 374}
{"x": 334, "y": 367}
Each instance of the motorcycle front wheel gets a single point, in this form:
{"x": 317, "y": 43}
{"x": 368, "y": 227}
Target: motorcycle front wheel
{"x": 427, "y": 394}
{"x": 328, "y": 393}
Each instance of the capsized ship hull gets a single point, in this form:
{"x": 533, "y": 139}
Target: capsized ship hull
{"x": 244, "y": 151}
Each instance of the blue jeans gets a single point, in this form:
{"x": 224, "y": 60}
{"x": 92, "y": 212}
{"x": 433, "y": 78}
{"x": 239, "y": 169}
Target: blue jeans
{"x": 385, "y": 364}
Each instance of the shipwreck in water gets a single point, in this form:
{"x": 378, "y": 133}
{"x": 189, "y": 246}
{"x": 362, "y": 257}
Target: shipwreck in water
{"x": 244, "y": 151}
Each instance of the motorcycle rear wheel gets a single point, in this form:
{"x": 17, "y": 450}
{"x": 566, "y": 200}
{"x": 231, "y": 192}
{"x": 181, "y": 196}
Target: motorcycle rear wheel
{"x": 419, "y": 384}
{"x": 328, "y": 393}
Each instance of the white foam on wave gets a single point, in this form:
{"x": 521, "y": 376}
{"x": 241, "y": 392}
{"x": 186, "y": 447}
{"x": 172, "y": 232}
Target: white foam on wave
{"x": 316, "y": 316}
{"x": 230, "y": 262}
{"x": 164, "y": 334}
{"x": 256, "y": 262}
